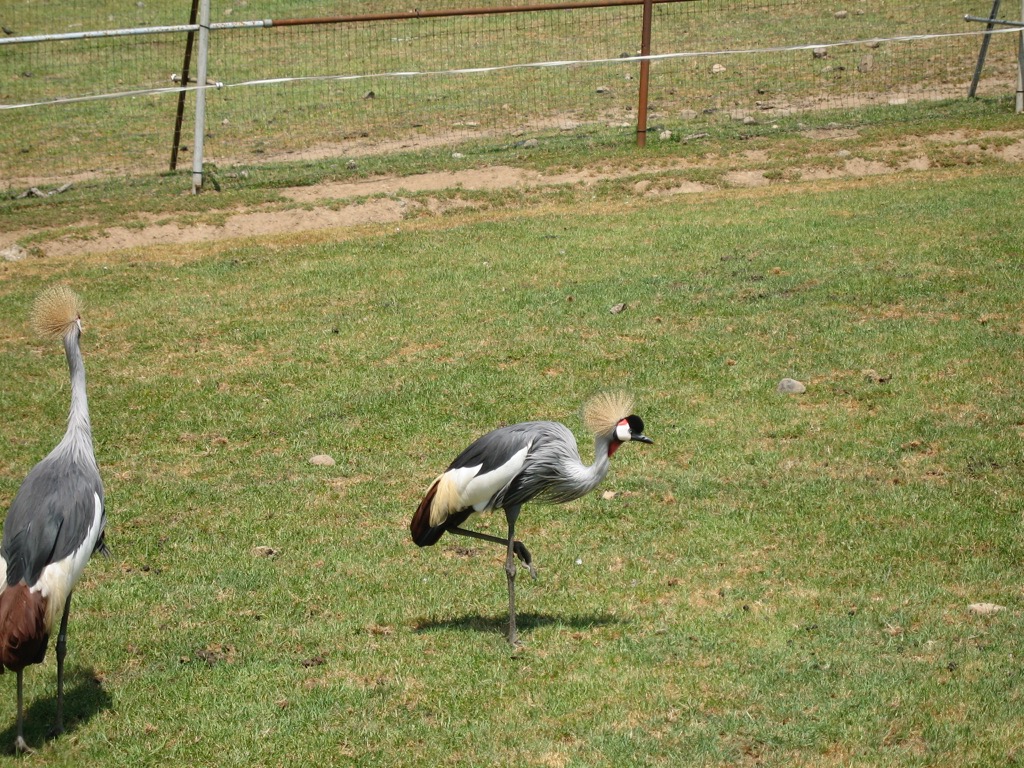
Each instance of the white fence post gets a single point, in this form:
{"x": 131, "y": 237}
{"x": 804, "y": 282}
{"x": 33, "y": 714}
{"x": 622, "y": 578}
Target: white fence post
{"x": 200, "y": 133}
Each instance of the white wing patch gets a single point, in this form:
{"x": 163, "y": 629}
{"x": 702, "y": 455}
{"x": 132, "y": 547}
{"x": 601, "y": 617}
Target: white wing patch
{"x": 465, "y": 487}
{"x": 58, "y": 579}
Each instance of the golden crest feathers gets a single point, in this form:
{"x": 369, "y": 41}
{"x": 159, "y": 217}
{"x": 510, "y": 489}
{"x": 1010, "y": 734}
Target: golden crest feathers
{"x": 55, "y": 311}
{"x": 603, "y": 411}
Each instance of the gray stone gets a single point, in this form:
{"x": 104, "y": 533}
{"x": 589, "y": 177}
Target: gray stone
{"x": 985, "y": 609}
{"x": 791, "y": 387}
{"x": 13, "y": 252}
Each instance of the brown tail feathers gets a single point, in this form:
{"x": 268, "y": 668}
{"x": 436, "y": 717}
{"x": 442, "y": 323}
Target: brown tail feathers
{"x": 23, "y": 630}
{"x": 422, "y": 533}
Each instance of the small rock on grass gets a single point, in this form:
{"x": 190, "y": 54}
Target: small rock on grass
{"x": 791, "y": 387}
{"x": 14, "y": 252}
{"x": 985, "y": 609}
{"x": 322, "y": 460}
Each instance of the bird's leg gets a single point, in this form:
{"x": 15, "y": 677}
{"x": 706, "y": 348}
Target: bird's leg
{"x": 20, "y": 747}
{"x": 518, "y": 547}
{"x": 62, "y": 651}
{"x": 510, "y": 571}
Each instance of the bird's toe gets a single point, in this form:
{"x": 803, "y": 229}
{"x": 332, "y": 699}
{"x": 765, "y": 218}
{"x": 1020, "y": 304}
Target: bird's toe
{"x": 522, "y": 552}
{"x": 21, "y": 747}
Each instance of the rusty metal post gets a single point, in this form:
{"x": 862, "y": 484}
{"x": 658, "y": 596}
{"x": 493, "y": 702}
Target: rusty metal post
{"x": 184, "y": 83}
{"x": 645, "y": 70}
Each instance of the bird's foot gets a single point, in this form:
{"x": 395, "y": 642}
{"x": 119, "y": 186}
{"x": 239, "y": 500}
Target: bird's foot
{"x": 523, "y": 554}
{"x": 21, "y": 748}
{"x": 56, "y": 730}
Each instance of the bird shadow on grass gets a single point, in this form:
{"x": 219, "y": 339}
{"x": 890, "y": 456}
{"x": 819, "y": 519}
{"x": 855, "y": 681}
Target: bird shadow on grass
{"x": 84, "y": 698}
{"x": 524, "y": 621}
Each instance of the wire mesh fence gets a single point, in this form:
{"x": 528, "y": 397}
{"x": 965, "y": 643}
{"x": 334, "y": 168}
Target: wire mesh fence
{"x": 340, "y": 89}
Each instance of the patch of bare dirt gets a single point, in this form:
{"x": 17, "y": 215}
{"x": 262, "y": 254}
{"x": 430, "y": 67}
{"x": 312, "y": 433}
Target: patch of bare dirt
{"x": 485, "y": 179}
{"x": 1013, "y": 153}
{"x": 338, "y": 205}
{"x": 238, "y": 226}
{"x": 746, "y": 179}
{"x": 686, "y": 188}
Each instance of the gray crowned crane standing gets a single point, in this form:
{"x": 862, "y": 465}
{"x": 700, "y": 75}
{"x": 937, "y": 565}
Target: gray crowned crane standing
{"x": 55, "y": 522}
{"x": 533, "y": 461}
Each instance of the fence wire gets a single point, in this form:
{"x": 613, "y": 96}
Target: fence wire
{"x": 309, "y": 114}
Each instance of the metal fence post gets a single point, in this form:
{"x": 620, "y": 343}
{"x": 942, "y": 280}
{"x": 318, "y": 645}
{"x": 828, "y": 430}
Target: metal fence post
{"x": 972, "y": 91}
{"x": 197, "y": 142}
{"x": 185, "y": 71}
{"x": 645, "y": 70}
{"x": 1020, "y": 65}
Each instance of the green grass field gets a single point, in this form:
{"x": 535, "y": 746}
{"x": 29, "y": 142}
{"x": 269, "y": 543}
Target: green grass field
{"x": 779, "y": 580}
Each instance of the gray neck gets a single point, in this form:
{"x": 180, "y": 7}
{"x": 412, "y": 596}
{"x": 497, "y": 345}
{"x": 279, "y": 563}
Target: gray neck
{"x": 79, "y": 433}
{"x": 563, "y": 475}
{"x": 591, "y": 476}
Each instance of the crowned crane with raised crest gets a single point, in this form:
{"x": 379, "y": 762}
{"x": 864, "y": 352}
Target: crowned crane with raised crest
{"x": 55, "y": 522}
{"x": 532, "y": 461}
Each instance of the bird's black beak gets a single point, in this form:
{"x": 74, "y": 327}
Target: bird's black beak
{"x": 642, "y": 438}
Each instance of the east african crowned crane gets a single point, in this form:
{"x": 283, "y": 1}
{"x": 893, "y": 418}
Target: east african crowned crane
{"x": 504, "y": 469}
{"x": 55, "y": 523}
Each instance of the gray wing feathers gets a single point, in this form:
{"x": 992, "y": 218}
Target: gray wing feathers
{"x": 550, "y": 444}
{"x": 496, "y": 447}
{"x": 50, "y": 517}
{"x": 549, "y": 472}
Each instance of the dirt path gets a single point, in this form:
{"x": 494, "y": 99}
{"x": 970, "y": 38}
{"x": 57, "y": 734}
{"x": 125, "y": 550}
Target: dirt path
{"x": 385, "y": 200}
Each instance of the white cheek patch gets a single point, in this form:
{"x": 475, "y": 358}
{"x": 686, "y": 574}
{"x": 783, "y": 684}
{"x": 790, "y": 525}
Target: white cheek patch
{"x": 622, "y": 432}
